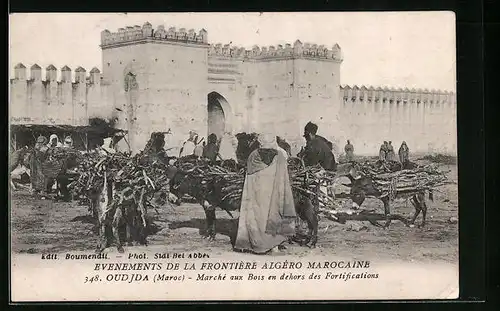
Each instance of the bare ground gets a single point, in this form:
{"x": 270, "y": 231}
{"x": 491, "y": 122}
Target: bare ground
{"x": 42, "y": 226}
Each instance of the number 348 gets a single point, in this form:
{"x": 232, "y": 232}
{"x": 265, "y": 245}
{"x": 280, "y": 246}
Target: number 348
{"x": 92, "y": 279}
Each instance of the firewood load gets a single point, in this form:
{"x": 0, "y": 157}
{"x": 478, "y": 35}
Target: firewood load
{"x": 391, "y": 180}
{"x": 59, "y": 160}
{"x": 229, "y": 184}
{"x": 141, "y": 178}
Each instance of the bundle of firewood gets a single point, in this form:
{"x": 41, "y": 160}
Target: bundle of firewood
{"x": 142, "y": 178}
{"x": 378, "y": 167}
{"x": 228, "y": 185}
{"x": 407, "y": 181}
{"x": 58, "y": 160}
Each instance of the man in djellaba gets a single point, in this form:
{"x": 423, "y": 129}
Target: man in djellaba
{"x": 267, "y": 215}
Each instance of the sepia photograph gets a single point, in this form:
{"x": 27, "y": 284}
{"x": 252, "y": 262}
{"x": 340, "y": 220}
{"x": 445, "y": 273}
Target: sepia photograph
{"x": 233, "y": 156}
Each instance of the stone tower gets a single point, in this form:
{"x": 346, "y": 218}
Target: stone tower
{"x": 158, "y": 77}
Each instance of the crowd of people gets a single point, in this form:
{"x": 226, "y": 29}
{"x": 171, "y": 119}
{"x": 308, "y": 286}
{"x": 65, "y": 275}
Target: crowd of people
{"x": 386, "y": 153}
{"x": 267, "y": 211}
{"x": 40, "y": 183}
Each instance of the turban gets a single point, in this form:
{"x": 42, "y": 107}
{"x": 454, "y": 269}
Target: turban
{"x": 311, "y": 128}
{"x": 268, "y": 140}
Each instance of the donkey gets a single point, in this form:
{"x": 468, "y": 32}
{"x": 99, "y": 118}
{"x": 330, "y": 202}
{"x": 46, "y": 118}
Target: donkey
{"x": 113, "y": 216}
{"x": 363, "y": 187}
{"x": 210, "y": 197}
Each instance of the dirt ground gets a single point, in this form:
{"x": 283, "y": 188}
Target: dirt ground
{"x": 42, "y": 226}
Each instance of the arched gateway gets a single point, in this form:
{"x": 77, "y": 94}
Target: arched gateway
{"x": 219, "y": 115}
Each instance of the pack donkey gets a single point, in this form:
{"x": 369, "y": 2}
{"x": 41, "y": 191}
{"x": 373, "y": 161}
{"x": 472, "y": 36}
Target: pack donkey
{"x": 362, "y": 187}
{"x": 115, "y": 212}
{"x": 211, "y": 196}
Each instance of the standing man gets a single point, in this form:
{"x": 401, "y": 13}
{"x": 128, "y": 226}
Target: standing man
{"x": 318, "y": 149}
{"x": 267, "y": 213}
{"x": 63, "y": 180}
{"x": 382, "y": 154}
{"x": 189, "y": 145}
{"x": 198, "y": 150}
{"x": 404, "y": 155}
{"x": 349, "y": 151}
{"x": 54, "y": 141}
{"x": 39, "y": 155}
{"x": 227, "y": 147}
{"x": 391, "y": 155}
{"x": 211, "y": 150}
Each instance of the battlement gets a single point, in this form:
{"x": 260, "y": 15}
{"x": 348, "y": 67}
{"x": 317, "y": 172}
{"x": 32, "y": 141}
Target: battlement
{"x": 81, "y": 76}
{"x": 397, "y": 95}
{"x": 49, "y": 101}
{"x": 297, "y": 50}
{"x": 135, "y": 33}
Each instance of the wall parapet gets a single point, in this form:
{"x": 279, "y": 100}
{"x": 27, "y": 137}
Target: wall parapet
{"x": 51, "y": 75}
{"x": 297, "y": 50}
{"x": 397, "y": 95}
{"x": 49, "y": 100}
{"x": 137, "y": 33}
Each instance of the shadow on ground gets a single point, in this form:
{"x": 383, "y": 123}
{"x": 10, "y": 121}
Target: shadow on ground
{"x": 227, "y": 227}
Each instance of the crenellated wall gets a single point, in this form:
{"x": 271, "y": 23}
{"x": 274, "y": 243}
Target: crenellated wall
{"x": 136, "y": 33}
{"x": 425, "y": 119}
{"x": 47, "y": 101}
{"x": 298, "y": 49}
{"x": 279, "y": 88}
{"x": 156, "y": 79}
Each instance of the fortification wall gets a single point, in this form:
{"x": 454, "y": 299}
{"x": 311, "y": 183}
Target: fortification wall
{"x": 425, "y": 119}
{"x": 281, "y": 83}
{"x": 158, "y": 79}
{"x": 169, "y": 74}
{"x": 47, "y": 101}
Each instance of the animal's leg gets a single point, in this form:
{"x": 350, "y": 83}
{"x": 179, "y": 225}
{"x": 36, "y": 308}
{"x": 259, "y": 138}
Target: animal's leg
{"x": 101, "y": 245}
{"x": 128, "y": 229}
{"x": 310, "y": 216}
{"x": 210, "y": 216}
{"x": 142, "y": 234}
{"x": 116, "y": 234}
{"x": 314, "y": 224}
{"x": 387, "y": 212}
{"x": 12, "y": 184}
{"x": 424, "y": 212}
{"x": 416, "y": 204}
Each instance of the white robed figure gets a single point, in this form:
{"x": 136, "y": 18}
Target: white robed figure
{"x": 188, "y": 146}
{"x": 267, "y": 215}
{"x": 227, "y": 148}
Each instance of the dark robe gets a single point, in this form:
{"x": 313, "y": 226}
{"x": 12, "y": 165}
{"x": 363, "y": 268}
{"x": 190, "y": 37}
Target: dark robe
{"x": 317, "y": 151}
{"x": 327, "y": 142}
{"x": 349, "y": 152}
{"x": 210, "y": 152}
{"x": 38, "y": 179}
{"x": 404, "y": 155}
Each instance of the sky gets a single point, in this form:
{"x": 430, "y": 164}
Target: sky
{"x": 393, "y": 49}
